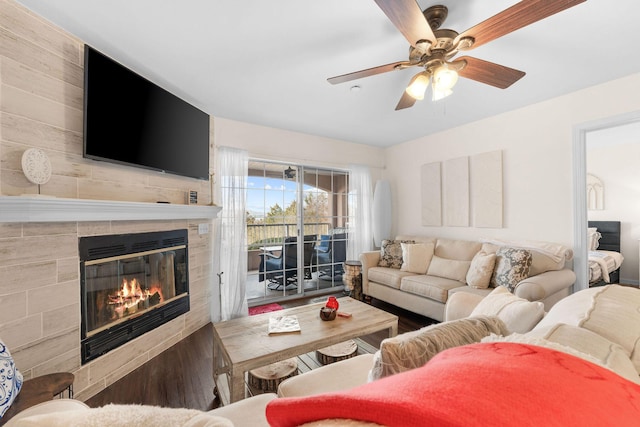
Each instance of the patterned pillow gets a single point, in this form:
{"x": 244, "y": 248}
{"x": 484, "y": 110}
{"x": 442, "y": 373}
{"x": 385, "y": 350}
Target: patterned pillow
{"x": 594, "y": 238}
{"x": 10, "y": 379}
{"x": 512, "y": 266}
{"x": 391, "y": 253}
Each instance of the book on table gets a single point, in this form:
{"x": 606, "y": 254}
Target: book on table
{"x": 279, "y": 324}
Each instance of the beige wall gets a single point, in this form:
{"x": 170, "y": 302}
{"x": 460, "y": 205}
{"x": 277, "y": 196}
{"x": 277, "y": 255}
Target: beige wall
{"x": 41, "y": 89}
{"x": 536, "y": 142}
{"x": 276, "y": 144}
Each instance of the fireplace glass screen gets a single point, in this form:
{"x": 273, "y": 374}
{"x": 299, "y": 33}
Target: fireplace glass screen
{"x": 130, "y": 284}
{"x": 127, "y": 286}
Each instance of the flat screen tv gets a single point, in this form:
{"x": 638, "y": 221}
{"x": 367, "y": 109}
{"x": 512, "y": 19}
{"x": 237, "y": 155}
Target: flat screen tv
{"x": 132, "y": 121}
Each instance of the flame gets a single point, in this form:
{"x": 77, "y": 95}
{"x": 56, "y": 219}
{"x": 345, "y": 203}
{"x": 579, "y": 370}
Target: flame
{"x": 130, "y": 295}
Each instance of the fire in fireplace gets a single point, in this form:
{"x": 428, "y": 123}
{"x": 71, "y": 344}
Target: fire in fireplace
{"x": 130, "y": 284}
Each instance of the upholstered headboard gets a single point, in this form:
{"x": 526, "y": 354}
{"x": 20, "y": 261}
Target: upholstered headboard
{"x": 610, "y": 231}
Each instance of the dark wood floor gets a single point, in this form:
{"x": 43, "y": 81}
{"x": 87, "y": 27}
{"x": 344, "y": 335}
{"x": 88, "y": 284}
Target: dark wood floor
{"x": 181, "y": 377}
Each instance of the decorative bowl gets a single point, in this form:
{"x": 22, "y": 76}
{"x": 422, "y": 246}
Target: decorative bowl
{"x": 327, "y": 313}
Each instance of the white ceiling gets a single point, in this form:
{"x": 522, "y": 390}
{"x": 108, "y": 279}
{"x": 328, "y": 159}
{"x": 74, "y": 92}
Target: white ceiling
{"x": 266, "y": 62}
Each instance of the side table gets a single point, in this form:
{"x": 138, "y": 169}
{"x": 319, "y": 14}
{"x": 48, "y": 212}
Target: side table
{"x": 352, "y": 279}
{"x": 40, "y": 389}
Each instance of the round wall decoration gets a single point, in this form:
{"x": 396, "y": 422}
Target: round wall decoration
{"x": 36, "y": 166}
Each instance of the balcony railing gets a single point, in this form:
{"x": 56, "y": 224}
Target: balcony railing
{"x": 259, "y": 235}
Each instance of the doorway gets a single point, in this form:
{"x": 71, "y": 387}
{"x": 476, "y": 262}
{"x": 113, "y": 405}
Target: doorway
{"x": 581, "y": 135}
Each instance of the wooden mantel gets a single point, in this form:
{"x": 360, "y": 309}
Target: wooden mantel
{"x": 53, "y": 209}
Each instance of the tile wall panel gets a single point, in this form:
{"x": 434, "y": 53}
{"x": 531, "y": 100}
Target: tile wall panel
{"x": 41, "y": 92}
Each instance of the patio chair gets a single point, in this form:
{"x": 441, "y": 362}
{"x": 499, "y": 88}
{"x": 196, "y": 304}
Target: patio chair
{"x": 330, "y": 262}
{"x": 282, "y": 270}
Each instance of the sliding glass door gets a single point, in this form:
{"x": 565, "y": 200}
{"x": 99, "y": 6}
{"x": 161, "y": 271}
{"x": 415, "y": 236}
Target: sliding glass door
{"x": 296, "y": 228}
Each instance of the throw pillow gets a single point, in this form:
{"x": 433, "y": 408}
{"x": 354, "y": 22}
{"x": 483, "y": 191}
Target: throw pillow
{"x": 594, "y": 238}
{"x": 10, "y": 379}
{"x": 413, "y": 349}
{"x": 481, "y": 269}
{"x": 391, "y": 253}
{"x": 512, "y": 266}
{"x": 518, "y": 314}
{"x": 449, "y": 268}
{"x": 416, "y": 257}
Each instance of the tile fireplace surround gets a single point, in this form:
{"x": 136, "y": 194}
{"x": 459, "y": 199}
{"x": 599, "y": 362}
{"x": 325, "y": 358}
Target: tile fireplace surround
{"x": 40, "y": 286}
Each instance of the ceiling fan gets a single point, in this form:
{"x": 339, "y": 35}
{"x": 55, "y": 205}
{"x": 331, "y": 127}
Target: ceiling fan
{"x": 433, "y": 48}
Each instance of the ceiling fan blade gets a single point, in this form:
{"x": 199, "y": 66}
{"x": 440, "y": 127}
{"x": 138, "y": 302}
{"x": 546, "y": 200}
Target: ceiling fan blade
{"x": 406, "y": 101}
{"x": 488, "y": 72}
{"x": 408, "y": 19}
{"x": 369, "y": 72}
{"x": 515, "y": 17}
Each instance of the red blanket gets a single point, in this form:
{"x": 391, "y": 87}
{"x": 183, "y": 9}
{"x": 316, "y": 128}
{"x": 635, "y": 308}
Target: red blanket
{"x": 491, "y": 384}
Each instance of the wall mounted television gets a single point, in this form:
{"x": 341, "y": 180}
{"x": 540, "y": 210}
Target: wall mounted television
{"x": 132, "y": 121}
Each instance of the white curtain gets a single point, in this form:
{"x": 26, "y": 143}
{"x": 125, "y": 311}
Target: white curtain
{"x": 231, "y": 183}
{"x": 360, "y": 203}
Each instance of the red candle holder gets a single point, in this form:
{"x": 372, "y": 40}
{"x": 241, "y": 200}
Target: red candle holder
{"x": 332, "y": 302}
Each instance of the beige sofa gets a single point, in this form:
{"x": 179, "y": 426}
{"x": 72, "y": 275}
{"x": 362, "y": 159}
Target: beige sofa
{"x": 598, "y": 325}
{"x": 447, "y": 270}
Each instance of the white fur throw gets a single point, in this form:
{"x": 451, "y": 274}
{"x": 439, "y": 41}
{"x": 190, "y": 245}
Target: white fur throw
{"x": 126, "y": 415}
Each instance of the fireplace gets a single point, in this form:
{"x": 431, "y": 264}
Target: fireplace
{"x": 130, "y": 284}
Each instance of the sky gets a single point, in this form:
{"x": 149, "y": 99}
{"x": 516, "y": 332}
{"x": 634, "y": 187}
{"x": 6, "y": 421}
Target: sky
{"x": 262, "y": 193}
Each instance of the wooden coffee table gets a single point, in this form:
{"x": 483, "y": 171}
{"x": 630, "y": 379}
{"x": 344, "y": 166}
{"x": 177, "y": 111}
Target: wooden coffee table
{"x": 242, "y": 344}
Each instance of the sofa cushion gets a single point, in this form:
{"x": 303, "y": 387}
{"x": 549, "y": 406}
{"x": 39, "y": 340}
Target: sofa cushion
{"x": 387, "y": 276}
{"x": 391, "y": 253}
{"x": 463, "y": 250}
{"x": 517, "y": 313}
{"x": 10, "y": 379}
{"x": 413, "y": 349}
{"x": 249, "y": 412}
{"x": 432, "y": 287}
{"x": 449, "y": 268}
{"x": 481, "y": 270}
{"x": 416, "y": 257}
{"x": 512, "y": 266}
{"x": 333, "y": 377}
{"x": 607, "y": 353}
{"x": 610, "y": 311}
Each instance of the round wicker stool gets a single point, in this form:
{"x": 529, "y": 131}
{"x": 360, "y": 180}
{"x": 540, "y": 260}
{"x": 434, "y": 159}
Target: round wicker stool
{"x": 267, "y": 378}
{"x": 336, "y": 352}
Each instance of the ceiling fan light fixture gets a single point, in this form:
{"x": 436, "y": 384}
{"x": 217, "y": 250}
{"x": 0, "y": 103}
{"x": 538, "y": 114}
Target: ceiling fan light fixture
{"x": 418, "y": 85}
{"x": 438, "y": 94}
{"x": 444, "y": 77}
